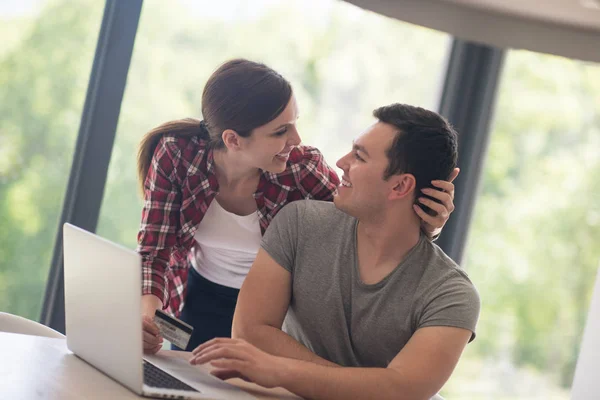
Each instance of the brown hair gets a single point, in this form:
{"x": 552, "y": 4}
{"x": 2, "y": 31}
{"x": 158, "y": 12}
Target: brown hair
{"x": 240, "y": 95}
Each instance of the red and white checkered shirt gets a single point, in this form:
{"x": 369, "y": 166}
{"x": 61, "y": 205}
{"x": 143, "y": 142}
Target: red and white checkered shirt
{"x": 181, "y": 184}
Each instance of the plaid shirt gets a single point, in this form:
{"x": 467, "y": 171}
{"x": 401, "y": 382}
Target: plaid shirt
{"x": 181, "y": 184}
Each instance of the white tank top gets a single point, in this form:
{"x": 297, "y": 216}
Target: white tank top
{"x": 227, "y": 245}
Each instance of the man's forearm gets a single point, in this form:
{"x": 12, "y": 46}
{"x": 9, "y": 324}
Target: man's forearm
{"x": 313, "y": 381}
{"x": 275, "y": 341}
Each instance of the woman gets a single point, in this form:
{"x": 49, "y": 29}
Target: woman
{"x": 211, "y": 189}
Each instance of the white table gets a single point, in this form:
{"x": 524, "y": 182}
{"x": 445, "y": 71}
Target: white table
{"x": 33, "y": 367}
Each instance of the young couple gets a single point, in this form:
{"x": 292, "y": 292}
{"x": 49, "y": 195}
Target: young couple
{"x": 290, "y": 276}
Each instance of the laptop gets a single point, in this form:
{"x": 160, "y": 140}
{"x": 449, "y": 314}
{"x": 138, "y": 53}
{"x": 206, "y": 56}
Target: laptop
{"x": 104, "y": 326}
{"x": 586, "y": 383}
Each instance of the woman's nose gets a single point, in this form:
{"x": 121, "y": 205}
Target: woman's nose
{"x": 294, "y": 138}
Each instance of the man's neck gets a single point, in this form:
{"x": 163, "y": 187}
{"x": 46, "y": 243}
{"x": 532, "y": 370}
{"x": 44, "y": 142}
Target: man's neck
{"x": 385, "y": 242}
{"x": 231, "y": 172}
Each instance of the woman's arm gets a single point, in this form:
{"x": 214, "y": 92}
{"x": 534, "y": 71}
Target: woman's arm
{"x": 160, "y": 220}
{"x": 157, "y": 235}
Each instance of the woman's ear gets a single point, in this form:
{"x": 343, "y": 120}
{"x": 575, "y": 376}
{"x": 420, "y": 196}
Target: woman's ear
{"x": 231, "y": 139}
{"x": 403, "y": 186}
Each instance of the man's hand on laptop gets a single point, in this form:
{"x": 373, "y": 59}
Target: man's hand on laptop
{"x": 236, "y": 358}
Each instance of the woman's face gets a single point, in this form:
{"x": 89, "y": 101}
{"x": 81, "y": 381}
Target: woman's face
{"x": 269, "y": 146}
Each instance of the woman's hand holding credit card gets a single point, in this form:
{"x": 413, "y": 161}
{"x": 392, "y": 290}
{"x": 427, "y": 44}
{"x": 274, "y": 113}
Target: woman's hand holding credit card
{"x": 152, "y": 340}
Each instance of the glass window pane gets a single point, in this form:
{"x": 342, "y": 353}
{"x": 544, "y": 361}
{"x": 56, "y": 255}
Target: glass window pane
{"x": 533, "y": 248}
{"x": 46, "y": 53}
{"x": 342, "y": 61}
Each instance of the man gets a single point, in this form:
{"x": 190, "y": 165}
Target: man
{"x": 374, "y": 309}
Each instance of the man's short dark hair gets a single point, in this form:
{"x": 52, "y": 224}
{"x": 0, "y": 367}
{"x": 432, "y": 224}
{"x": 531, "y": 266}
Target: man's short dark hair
{"x": 424, "y": 146}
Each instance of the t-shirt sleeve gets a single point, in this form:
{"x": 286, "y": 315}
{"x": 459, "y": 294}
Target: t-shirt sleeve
{"x": 281, "y": 237}
{"x": 454, "y": 303}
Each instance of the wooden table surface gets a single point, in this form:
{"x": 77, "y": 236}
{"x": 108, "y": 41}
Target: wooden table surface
{"x": 33, "y": 367}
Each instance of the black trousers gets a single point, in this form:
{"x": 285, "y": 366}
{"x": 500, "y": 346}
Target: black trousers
{"x": 208, "y": 308}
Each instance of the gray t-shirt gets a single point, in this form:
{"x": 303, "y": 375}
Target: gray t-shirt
{"x": 340, "y": 318}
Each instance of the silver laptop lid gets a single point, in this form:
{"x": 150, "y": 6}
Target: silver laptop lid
{"x": 586, "y": 384}
{"x": 102, "y": 305}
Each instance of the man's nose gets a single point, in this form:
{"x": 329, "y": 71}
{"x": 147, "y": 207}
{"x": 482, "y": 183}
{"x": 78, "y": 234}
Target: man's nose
{"x": 341, "y": 163}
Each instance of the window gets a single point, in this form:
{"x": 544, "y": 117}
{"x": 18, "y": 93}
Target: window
{"x": 533, "y": 247}
{"x": 46, "y": 53}
{"x": 342, "y": 61}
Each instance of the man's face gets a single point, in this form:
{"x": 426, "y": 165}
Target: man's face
{"x": 363, "y": 191}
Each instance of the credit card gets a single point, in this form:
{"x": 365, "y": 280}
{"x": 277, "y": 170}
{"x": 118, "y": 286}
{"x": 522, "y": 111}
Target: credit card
{"x": 174, "y": 330}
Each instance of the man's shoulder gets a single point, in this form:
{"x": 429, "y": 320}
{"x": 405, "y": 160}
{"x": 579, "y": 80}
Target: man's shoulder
{"x": 446, "y": 295}
{"x": 314, "y": 213}
{"x": 441, "y": 269}
{"x": 315, "y": 208}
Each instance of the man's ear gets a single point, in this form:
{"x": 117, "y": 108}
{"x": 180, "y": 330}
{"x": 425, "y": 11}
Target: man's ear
{"x": 231, "y": 139}
{"x": 403, "y": 186}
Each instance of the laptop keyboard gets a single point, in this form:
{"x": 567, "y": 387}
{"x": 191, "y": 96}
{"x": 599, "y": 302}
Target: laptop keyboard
{"x": 156, "y": 377}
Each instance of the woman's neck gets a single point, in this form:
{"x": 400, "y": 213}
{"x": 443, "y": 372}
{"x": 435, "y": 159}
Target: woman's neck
{"x": 230, "y": 171}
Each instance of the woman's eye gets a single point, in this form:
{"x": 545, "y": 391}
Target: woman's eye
{"x": 280, "y": 133}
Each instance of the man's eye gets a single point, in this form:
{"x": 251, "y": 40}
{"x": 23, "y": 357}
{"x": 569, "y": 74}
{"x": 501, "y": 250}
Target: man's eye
{"x": 359, "y": 158}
